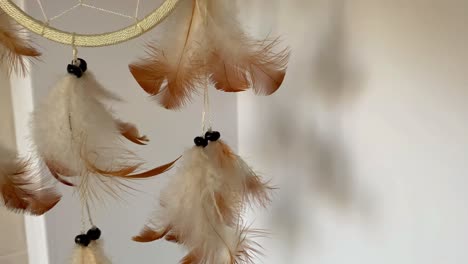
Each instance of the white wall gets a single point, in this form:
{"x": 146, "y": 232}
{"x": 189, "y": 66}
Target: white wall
{"x": 367, "y": 140}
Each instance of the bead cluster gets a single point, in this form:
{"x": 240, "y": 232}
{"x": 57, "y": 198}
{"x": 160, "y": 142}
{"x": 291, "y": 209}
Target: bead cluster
{"x": 84, "y": 239}
{"x": 77, "y": 67}
{"x": 209, "y": 136}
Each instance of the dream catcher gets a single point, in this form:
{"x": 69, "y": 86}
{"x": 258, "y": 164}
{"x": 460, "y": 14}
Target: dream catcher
{"x": 80, "y": 141}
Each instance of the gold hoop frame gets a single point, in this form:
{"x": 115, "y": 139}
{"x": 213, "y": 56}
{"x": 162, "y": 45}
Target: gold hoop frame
{"x": 94, "y": 40}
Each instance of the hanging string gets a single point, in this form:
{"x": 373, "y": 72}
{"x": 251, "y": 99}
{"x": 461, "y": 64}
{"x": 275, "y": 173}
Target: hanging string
{"x": 137, "y": 21}
{"x": 206, "y": 114}
{"x": 85, "y": 214}
{"x": 83, "y": 219}
{"x": 39, "y": 2}
{"x": 46, "y": 19}
{"x": 90, "y": 218}
{"x": 137, "y": 9}
{"x": 74, "y": 49}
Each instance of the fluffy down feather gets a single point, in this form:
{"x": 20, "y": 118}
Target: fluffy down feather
{"x": 92, "y": 254}
{"x": 76, "y": 135}
{"x": 14, "y": 47}
{"x": 22, "y": 188}
{"x": 201, "y": 207}
{"x": 208, "y": 42}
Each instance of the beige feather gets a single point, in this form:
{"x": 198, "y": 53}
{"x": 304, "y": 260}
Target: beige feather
{"x": 237, "y": 62}
{"x": 14, "y": 47}
{"x": 92, "y": 254}
{"x": 172, "y": 70}
{"x": 208, "y": 42}
{"x": 202, "y": 207}
{"x": 80, "y": 140}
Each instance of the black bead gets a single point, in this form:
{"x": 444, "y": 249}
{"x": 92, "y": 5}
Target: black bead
{"x": 200, "y": 142}
{"x": 75, "y": 70}
{"x": 82, "y": 240}
{"x": 94, "y": 233}
{"x": 212, "y": 135}
{"x": 82, "y": 64}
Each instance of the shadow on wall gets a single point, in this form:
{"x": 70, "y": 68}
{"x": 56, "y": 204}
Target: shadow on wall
{"x": 336, "y": 85}
{"x": 306, "y": 128}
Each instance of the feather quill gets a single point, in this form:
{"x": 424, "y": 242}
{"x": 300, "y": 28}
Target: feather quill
{"x": 202, "y": 205}
{"x": 92, "y": 254}
{"x": 22, "y": 188}
{"x": 208, "y": 42}
{"x": 14, "y": 47}
{"x": 76, "y": 135}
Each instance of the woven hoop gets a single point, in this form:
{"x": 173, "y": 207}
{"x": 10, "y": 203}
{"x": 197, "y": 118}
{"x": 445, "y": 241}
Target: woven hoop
{"x": 93, "y": 40}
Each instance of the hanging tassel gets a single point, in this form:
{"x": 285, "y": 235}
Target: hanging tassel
{"x": 88, "y": 249}
{"x": 14, "y": 47}
{"x": 207, "y": 41}
{"x": 76, "y": 135}
{"x": 22, "y": 188}
{"x": 201, "y": 207}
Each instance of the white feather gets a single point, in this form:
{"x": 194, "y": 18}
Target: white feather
{"x": 72, "y": 124}
{"x": 203, "y": 203}
{"x": 92, "y": 254}
{"x": 72, "y": 130}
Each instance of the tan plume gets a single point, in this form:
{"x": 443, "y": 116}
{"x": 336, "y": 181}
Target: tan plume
{"x": 207, "y": 42}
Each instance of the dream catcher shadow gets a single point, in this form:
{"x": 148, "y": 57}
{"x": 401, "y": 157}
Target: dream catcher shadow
{"x": 82, "y": 144}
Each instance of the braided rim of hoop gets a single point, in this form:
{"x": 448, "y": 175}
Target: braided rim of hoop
{"x": 93, "y": 40}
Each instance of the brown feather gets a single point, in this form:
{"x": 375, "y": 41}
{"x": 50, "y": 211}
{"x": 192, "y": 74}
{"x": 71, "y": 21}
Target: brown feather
{"x": 61, "y": 180}
{"x": 173, "y": 237}
{"x": 173, "y": 75}
{"x": 259, "y": 67}
{"x": 267, "y": 68}
{"x": 57, "y": 171}
{"x": 150, "y": 235}
{"x": 122, "y": 172}
{"x": 153, "y": 172}
{"x": 236, "y": 61}
{"x": 21, "y": 193}
{"x": 15, "y": 46}
{"x": 226, "y": 76}
{"x": 258, "y": 190}
{"x": 227, "y": 56}
{"x": 150, "y": 80}
{"x": 44, "y": 201}
{"x": 130, "y": 132}
{"x": 173, "y": 86}
{"x": 191, "y": 258}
